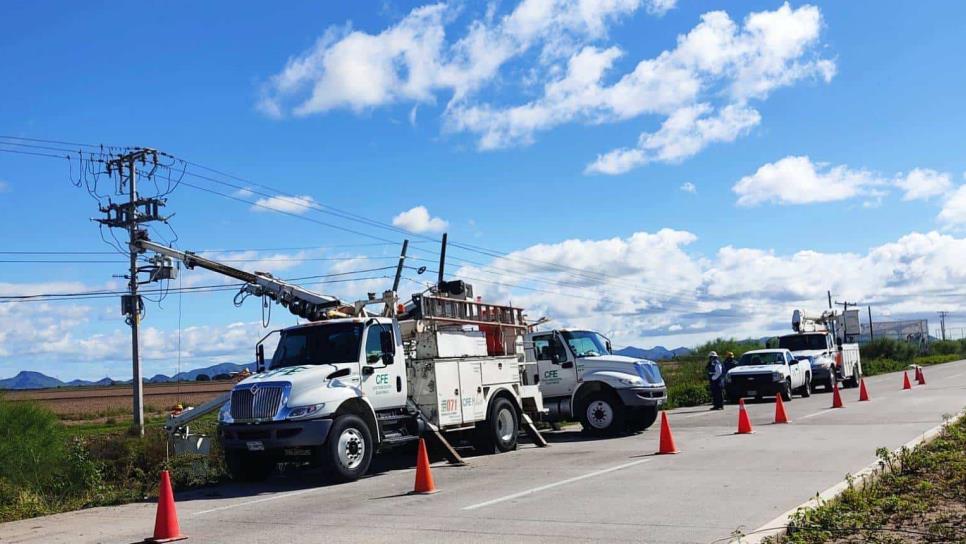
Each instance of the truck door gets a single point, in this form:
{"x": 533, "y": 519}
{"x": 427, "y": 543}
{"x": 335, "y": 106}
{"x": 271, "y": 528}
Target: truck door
{"x": 795, "y": 370}
{"x": 558, "y": 374}
{"x": 383, "y": 367}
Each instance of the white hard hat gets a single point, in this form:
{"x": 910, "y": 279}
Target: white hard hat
{"x": 713, "y": 354}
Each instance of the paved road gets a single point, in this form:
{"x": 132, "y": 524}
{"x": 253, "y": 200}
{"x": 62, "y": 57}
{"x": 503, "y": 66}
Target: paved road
{"x": 577, "y": 490}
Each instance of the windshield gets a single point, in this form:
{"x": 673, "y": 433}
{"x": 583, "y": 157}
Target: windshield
{"x": 801, "y": 342}
{"x": 766, "y": 358}
{"x": 586, "y": 343}
{"x": 319, "y": 345}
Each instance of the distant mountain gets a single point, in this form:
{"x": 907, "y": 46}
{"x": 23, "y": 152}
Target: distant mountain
{"x": 657, "y": 353}
{"x": 211, "y": 371}
{"x": 28, "y": 379}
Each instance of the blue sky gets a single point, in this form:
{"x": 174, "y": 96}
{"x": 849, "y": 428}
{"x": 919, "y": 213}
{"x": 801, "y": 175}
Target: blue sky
{"x": 820, "y": 141}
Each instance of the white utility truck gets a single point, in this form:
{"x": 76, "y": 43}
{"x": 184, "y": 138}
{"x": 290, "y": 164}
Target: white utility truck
{"x": 580, "y": 377}
{"x": 768, "y": 373}
{"x": 818, "y": 340}
{"x": 349, "y": 383}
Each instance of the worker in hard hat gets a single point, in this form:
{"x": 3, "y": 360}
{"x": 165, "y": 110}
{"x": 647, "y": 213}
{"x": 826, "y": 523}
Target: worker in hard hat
{"x": 728, "y": 363}
{"x": 716, "y": 381}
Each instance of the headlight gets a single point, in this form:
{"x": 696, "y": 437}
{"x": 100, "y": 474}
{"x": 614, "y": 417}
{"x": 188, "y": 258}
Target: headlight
{"x": 224, "y": 415}
{"x": 305, "y": 411}
{"x": 777, "y": 376}
{"x": 631, "y": 381}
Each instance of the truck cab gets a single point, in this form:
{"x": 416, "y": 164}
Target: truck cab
{"x": 579, "y": 377}
{"x": 319, "y": 394}
{"x": 767, "y": 373}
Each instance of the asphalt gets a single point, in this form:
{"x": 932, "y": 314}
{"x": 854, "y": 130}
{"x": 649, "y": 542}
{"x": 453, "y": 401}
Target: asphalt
{"x": 576, "y": 490}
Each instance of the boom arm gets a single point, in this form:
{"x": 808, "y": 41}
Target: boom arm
{"x": 300, "y": 301}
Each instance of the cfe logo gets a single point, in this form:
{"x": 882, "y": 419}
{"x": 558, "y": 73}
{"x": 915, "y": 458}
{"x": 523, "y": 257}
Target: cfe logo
{"x": 382, "y": 379}
{"x": 550, "y": 375}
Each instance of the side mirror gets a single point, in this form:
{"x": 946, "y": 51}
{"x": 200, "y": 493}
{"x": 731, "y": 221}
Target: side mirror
{"x": 555, "y": 358}
{"x": 610, "y": 349}
{"x": 260, "y": 358}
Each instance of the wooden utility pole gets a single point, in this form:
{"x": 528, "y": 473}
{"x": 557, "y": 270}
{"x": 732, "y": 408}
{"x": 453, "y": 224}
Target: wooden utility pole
{"x": 871, "y": 333}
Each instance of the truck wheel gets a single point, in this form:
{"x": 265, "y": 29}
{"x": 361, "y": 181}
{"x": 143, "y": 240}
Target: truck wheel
{"x": 498, "y": 433}
{"x": 807, "y": 388}
{"x": 248, "y": 467}
{"x": 830, "y": 382}
{"x": 786, "y": 390}
{"x": 348, "y": 451}
{"x": 853, "y": 380}
{"x": 642, "y": 418}
{"x": 602, "y": 414}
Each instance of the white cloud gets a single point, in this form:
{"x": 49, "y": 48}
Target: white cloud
{"x": 923, "y": 183}
{"x": 689, "y": 187}
{"x": 660, "y": 7}
{"x": 797, "y": 180}
{"x": 4, "y": 186}
{"x": 701, "y": 87}
{"x": 418, "y": 220}
{"x": 287, "y": 204}
{"x": 649, "y": 289}
{"x": 953, "y": 213}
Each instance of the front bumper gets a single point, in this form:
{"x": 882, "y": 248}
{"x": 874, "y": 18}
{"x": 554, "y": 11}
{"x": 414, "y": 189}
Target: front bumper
{"x": 820, "y": 373}
{"x": 763, "y": 386}
{"x": 643, "y": 396}
{"x": 275, "y": 434}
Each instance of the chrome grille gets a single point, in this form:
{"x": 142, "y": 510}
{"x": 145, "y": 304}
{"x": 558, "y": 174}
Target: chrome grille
{"x": 256, "y": 401}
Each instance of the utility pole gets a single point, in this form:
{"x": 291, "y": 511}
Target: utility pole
{"x": 829, "y": 299}
{"x": 871, "y": 333}
{"x": 942, "y": 324}
{"x": 399, "y": 267}
{"x": 129, "y": 216}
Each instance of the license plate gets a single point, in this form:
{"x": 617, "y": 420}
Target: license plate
{"x": 752, "y": 393}
{"x": 255, "y": 445}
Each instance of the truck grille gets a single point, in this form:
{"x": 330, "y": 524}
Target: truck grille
{"x": 256, "y": 402}
{"x": 750, "y": 381}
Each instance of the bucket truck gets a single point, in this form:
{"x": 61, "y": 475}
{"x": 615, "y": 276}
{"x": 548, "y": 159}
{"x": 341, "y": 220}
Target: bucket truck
{"x": 349, "y": 382}
{"x": 818, "y": 339}
{"x": 580, "y": 378}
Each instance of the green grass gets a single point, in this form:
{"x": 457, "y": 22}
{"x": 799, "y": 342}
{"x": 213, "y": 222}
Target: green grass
{"x": 916, "y": 495}
{"x": 49, "y": 467}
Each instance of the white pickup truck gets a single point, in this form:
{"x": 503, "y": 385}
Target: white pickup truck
{"x": 579, "y": 377}
{"x": 768, "y": 373}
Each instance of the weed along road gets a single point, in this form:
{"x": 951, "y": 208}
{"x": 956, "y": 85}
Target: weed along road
{"x": 578, "y": 489}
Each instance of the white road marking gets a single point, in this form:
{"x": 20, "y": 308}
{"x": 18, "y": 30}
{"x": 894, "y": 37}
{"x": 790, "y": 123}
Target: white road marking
{"x": 825, "y": 411}
{"x": 555, "y": 484}
{"x": 256, "y": 501}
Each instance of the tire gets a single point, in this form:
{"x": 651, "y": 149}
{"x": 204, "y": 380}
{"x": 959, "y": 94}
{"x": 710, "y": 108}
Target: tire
{"x": 499, "y": 432}
{"x": 602, "y": 414}
{"x": 245, "y": 466}
{"x": 786, "y": 391}
{"x": 853, "y": 381}
{"x": 348, "y": 451}
{"x": 807, "y": 388}
{"x": 732, "y": 398}
{"x": 642, "y": 418}
{"x": 830, "y": 381}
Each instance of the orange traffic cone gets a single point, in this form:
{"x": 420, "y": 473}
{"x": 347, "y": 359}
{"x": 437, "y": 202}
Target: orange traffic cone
{"x": 744, "y": 423}
{"x": 424, "y": 478}
{"x": 780, "y": 415}
{"x": 667, "y": 439}
{"x": 905, "y": 380}
{"x": 166, "y": 528}
{"x": 863, "y": 392}
{"x": 836, "y": 397}
{"x": 920, "y": 376}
